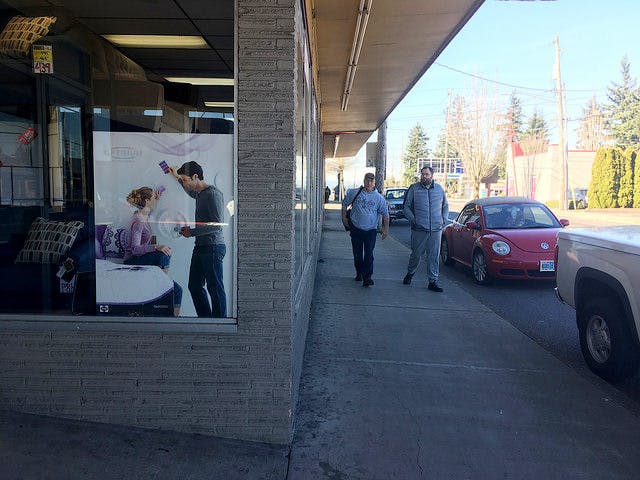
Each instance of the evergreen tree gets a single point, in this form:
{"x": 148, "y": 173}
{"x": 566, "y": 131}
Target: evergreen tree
{"x": 636, "y": 180}
{"x": 442, "y": 150}
{"x": 595, "y": 190}
{"x": 515, "y": 117}
{"x": 535, "y": 138}
{"x": 537, "y": 127}
{"x": 624, "y": 109}
{"x": 615, "y": 176}
{"x": 416, "y": 149}
{"x": 605, "y": 178}
{"x": 591, "y": 131}
{"x": 510, "y": 126}
{"x": 625, "y": 192}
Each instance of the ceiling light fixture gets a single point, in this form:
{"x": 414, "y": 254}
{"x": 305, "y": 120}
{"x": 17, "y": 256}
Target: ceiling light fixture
{"x": 356, "y": 46}
{"x": 201, "y": 81}
{"x": 158, "y": 41}
{"x": 219, "y": 104}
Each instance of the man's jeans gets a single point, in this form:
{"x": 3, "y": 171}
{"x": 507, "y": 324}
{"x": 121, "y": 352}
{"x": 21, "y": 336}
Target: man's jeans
{"x": 363, "y": 242}
{"x": 429, "y": 243}
{"x": 206, "y": 267}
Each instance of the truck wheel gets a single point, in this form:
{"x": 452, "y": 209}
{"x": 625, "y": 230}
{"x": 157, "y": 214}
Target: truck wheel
{"x": 606, "y": 342}
{"x": 479, "y": 269}
{"x": 445, "y": 256}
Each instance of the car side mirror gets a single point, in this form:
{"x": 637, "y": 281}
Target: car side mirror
{"x": 564, "y": 222}
{"x": 472, "y": 225}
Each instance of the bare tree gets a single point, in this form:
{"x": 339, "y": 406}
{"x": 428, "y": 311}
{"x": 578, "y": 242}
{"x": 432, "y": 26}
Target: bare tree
{"x": 475, "y": 134}
{"x": 532, "y": 144}
{"x": 592, "y": 128}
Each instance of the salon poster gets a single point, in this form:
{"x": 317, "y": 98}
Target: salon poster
{"x": 143, "y": 252}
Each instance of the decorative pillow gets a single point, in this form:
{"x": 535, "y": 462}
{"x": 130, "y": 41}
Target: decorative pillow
{"x": 99, "y": 251}
{"x": 47, "y": 241}
{"x": 21, "y": 32}
{"x": 100, "y": 228}
{"x": 115, "y": 242}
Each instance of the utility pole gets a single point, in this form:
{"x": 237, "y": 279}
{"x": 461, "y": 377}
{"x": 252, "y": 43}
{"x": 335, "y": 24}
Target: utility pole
{"x": 446, "y": 142}
{"x": 381, "y": 157}
{"x": 561, "y": 142}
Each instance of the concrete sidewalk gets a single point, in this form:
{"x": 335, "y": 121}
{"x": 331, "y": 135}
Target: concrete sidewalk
{"x": 398, "y": 383}
{"x": 401, "y": 382}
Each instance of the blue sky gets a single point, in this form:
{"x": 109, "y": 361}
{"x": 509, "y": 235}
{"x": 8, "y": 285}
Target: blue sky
{"x": 512, "y": 42}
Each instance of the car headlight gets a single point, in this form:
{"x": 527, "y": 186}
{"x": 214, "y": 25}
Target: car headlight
{"x": 501, "y": 248}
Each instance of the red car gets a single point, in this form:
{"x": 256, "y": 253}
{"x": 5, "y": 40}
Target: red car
{"x": 503, "y": 237}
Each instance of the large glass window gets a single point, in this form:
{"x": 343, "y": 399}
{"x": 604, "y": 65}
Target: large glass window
{"x": 300, "y": 193}
{"x": 117, "y": 166}
{"x": 306, "y": 174}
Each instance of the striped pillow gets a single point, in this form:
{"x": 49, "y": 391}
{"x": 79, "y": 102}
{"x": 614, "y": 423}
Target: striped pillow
{"x": 47, "y": 241}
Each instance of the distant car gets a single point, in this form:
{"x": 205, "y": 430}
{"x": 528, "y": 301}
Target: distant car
{"x": 395, "y": 201}
{"x": 578, "y": 199}
{"x": 503, "y": 237}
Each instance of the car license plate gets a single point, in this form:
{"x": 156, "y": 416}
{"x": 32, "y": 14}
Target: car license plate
{"x": 547, "y": 266}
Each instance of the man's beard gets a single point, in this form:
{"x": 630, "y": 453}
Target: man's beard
{"x": 426, "y": 183}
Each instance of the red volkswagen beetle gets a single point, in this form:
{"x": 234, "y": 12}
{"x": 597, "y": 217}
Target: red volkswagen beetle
{"x": 503, "y": 237}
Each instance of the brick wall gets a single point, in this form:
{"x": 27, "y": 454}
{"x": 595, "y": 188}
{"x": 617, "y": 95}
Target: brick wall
{"x": 213, "y": 384}
{"x": 266, "y": 162}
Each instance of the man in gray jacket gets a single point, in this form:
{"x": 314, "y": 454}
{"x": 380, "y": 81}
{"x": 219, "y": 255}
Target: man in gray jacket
{"x": 426, "y": 208}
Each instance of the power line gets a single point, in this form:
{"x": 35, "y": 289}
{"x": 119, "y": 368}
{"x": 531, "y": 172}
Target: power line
{"x": 520, "y": 87}
{"x": 492, "y": 81}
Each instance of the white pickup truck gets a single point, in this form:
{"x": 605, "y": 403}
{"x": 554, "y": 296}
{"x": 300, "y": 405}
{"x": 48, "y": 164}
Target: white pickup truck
{"x": 598, "y": 274}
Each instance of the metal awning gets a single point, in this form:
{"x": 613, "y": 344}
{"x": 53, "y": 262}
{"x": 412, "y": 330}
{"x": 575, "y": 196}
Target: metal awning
{"x": 401, "y": 39}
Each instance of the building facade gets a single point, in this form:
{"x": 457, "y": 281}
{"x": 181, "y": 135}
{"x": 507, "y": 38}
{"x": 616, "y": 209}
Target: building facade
{"x": 539, "y": 176}
{"x": 86, "y": 120}
{"x": 151, "y": 149}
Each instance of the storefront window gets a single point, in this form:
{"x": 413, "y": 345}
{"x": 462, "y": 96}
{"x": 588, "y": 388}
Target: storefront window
{"x": 300, "y": 193}
{"x": 116, "y": 179}
{"x": 308, "y": 172}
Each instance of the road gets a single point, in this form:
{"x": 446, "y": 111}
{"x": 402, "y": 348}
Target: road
{"x": 533, "y": 309}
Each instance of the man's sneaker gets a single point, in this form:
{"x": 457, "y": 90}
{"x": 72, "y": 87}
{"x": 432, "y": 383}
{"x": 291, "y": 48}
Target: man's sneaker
{"x": 407, "y": 279}
{"x": 358, "y": 277}
{"x": 367, "y": 282}
{"x": 434, "y": 287}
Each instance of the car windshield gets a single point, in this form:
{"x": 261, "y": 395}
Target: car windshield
{"x": 395, "y": 194}
{"x": 519, "y": 215}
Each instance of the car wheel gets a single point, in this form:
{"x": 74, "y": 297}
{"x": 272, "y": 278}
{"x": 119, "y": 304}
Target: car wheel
{"x": 605, "y": 340}
{"x": 479, "y": 268}
{"x": 581, "y": 204}
{"x": 445, "y": 258}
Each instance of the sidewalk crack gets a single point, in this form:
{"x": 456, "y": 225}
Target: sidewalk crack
{"x": 418, "y": 433}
